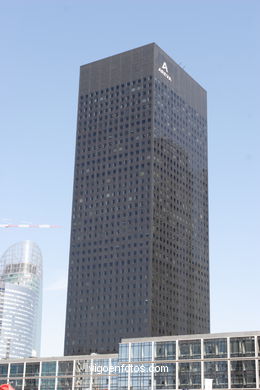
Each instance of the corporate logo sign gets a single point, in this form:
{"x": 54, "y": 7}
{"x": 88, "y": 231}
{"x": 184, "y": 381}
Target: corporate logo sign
{"x": 164, "y": 71}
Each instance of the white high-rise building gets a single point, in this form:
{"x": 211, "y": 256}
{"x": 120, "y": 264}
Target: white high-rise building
{"x": 20, "y": 300}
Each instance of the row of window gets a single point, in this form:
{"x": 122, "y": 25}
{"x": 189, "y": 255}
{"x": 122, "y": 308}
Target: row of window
{"x": 189, "y": 375}
{"x": 189, "y": 349}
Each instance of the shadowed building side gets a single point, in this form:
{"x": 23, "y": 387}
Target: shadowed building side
{"x": 139, "y": 263}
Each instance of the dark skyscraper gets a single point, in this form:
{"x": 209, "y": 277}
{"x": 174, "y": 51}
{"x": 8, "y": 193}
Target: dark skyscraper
{"x": 139, "y": 262}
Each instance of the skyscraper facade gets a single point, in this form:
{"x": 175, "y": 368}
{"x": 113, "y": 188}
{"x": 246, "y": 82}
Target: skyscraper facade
{"x": 139, "y": 262}
{"x": 20, "y": 301}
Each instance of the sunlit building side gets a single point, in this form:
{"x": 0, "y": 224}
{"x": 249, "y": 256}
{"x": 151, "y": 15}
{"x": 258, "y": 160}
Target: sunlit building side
{"x": 20, "y": 300}
{"x": 225, "y": 360}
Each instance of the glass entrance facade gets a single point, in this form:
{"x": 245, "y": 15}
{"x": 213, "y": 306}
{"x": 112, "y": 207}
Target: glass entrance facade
{"x": 232, "y": 361}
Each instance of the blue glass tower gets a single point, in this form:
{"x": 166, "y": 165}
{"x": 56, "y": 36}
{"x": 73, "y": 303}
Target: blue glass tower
{"x": 20, "y": 300}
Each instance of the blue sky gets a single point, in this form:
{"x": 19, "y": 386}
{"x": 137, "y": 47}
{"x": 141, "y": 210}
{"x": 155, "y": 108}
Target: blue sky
{"x": 43, "y": 43}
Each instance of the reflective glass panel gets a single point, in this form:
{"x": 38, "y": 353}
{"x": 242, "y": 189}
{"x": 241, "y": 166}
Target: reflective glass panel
{"x": 123, "y": 352}
{"x": 48, "y": 368}
{"x": 82, "y": 367}
{"x": 17, "y": 384}
{"x": 82, "y": 382}
{"x": 47, "y": 384}
{"x": 100, "y": 382}
{"x": 165, "y": 376}
{"x": 100, "y": 366}
{"x": 114, "y": 383}
{"x": 114, "y": 362}
{"x": 21, "y": 271}
{"x": 16, "y": 369}
{"x": 65, "y": 368}
{"x": 64, "y": 384}
{"x": 215, "y": 348}
{"x": 218, "y": 371}
{"x": 123, "y": 381}
{"x": 31, "y": 384}
{"x": 140, "y": 379}
{"x": 190, "y": 375}
{"x": 242, "y": 346}
{"x": 3, "y": 370}
{"x": 190, "y": 349}
{"x": 32, "y": 369}
{"x": 243, "y": 374}
{"x": 165, "y": 350}
{"x": 141, "y": 352}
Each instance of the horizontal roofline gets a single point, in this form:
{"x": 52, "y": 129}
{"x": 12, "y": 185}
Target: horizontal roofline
{"x": 192, "y": 336}
{"x": 117, "y": 54}
{"x": 63, "y": 358}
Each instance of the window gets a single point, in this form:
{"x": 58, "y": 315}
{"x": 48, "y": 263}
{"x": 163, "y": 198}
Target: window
{"x": 167, "y": 379}
{"x": 82, "y": 383}
{"x": 242, "y": 346}
{"x": 190, "y": 375}
{"x": 165, "y": 350}
{"x": 32, "y": 369}
{"x": 64, "y": 384}
{"x": 218, "y": 371}
{"x": 190, "y": 349}
{"x": 243, "y": 374}
{"x": 3, "y": 370}
{"x": 16, "y": 370}
{"x": 215, "y": 348}
{"x": 47, "y": 384}
{"x": 100, "y": 382}
{"x": 82, "y": 367}
{"x": 141, "y": 380}
{"x": 17, "y": 384}
{"x": 123, "y": 352}
{"x": 30, "y": 384}
{"x": 141, "y": 352}
{"x": 123, "y": 381}
{"x": 48, "y": 368}
{"x": 65, "y": 368}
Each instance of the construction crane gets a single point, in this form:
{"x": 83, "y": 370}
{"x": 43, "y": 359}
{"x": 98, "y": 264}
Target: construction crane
{"x": 43, "y": 226}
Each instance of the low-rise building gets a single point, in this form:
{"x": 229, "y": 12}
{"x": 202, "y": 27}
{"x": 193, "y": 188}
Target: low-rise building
{"x": 231, "y": 360}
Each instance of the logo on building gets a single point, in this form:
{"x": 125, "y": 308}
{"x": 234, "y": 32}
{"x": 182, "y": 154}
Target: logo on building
{"x": 164, "y": 71}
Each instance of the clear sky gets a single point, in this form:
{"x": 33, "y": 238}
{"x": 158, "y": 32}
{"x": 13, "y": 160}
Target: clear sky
{"x": 43, "y": 43}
